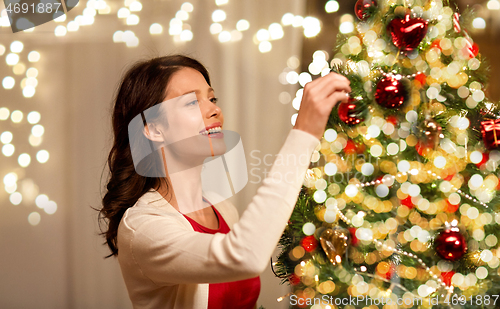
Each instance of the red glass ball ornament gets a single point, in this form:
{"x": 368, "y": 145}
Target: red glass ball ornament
{"x": 392, "y": 119}
{"x": 347, "y": 114}
{"x": 451, "y": 208}
{"x": 361, "y": 7}
{"x": 354, "y": 239}
{"x": 446, "y": 277}
{"x": 294, "y": 279}
{"x": 450, "y": 244}
{"x": 486, "y": 157}
{"x": 407, "y": 202}
{"x": 390, "y": 92}
{"x": 421, "y": 78}
{"x": 309, "y": 243}
{"x": 407, "y": 33}
{"x": 350, "y": 147}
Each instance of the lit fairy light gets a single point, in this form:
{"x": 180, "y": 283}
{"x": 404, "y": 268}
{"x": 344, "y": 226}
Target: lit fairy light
{"x": 123, "y": 13}
{"x": 60, "y": 30}
{"x": 265, "y": 46}
{"x": 156, "y": 29}
{"x": 332, "y": 6}
{"x": 218, "y": 16}
{"x": 8, "y": 82}
{"x": 242, "y": 25}
{"x": 19, "y": 192}
{"x": 42, "y": 156}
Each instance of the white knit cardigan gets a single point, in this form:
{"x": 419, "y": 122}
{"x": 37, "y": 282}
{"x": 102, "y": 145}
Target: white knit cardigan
{"x": 166, "y": 264}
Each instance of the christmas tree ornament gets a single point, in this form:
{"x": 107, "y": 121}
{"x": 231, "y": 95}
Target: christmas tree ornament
{"x": 430, "y": 133}
{"x": 407, "y": 202}
{"x": 407, "y": 32}
{"x": 349, "y": 113}
{"x": 446, "y": 277}
{"x": 354, "y": 239}
{"x": 392, "y": 119}
{"x": 334, "y": 242}
{"x": 294, "y": 279}
{"x": 490, "y": 129}
{"x": 451, "y": 244}
{"x": 385, "y": 270}
{"x": 309, "y": 243}
{"x": 421, "y": 78}
{"x": 350, "y": 147}
{"x": 391, "y": 92}
{"x": 364, "y": 8}
{"x": 456, "y": 23}
{"x": 474, "y": 258}
{"x": 471, "y": 49}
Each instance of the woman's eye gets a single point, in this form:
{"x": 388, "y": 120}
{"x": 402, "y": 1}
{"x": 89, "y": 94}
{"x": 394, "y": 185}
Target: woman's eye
{"x": 192, "y": 103}
{"x": 214, "y": 100}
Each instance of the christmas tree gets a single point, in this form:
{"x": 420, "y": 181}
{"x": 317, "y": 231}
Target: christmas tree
{"x": 398, "y": 208}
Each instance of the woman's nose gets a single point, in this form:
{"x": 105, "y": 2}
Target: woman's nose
{"x": 213, "y": 110}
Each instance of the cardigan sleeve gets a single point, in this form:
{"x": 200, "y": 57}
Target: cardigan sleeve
{"x": 167, "y": 253}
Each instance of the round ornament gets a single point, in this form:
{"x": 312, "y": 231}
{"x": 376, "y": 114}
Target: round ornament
{"x": 334, "y": 242}
{"x": 294, "y": 279}
{"x": 348, "y": 113}
{"x": 363, "y": 8}
{"x": 391, "y": 93}
{"x": 451, "y": 244}
{"x": 309, "y": 243}
{"x": 407, "y": 32}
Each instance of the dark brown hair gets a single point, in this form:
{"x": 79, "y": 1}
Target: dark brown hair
{"x": 142, "y": 86}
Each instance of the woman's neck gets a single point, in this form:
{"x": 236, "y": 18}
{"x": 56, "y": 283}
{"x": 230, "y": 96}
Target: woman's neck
{"x": 184, "y": 191}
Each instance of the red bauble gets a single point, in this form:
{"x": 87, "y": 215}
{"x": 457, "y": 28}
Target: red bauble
{"x": 407, "y": 33}
{"x": 486, "y": 157}
{"x": 407, "y": 202}
{"x": 436, "y": 44}
{"x": 421, "y": 78}
{"x": 309, "y": 243}
{"x": 350, "y": 147}
{"x": 391, "y": 92}
{"x": 450, "y": 207}
{"x": 361, "y": 8}
{"x": 347, "y": 113}
{"x": 354, "y": 239}
{"x": 446, "y": 277}
{"x": 450, "y": 244}
{"x": 392, "y": 119}
{"x": 294, "y": 279}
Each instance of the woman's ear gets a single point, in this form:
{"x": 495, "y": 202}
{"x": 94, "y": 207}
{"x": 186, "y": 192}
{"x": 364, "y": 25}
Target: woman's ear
{"x": 152, "y": 132}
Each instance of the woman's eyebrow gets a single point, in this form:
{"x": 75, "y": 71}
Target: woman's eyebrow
{"x": 198, "y": 91}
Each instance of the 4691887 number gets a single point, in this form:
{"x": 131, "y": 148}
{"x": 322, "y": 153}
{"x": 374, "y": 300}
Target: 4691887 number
{"x": 472, "y": 300}
{"x": 39, "y": 8}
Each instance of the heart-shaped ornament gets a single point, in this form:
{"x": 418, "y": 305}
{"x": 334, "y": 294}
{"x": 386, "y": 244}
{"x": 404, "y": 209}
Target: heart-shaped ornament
{"x": 407, "y": 33}
{"x": 334, "y": 242}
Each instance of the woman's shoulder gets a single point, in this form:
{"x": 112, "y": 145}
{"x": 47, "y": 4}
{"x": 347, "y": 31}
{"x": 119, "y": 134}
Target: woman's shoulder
{"x": 150, "y": 206}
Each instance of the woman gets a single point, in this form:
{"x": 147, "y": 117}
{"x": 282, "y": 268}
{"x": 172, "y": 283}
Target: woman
{"x": 176, "y": 249}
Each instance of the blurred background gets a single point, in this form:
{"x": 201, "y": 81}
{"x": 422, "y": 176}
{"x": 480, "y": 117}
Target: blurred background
{"x": 58, "y": 82}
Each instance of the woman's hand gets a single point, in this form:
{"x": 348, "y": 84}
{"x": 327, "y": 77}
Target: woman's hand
{"x": 318, "y": 100}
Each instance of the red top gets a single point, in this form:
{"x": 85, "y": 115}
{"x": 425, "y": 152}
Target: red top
{"x": 241, "y": 294}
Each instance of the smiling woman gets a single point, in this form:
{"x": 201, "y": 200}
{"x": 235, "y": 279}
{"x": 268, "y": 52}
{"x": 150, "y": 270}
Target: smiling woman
{"x": 176, "y": 249}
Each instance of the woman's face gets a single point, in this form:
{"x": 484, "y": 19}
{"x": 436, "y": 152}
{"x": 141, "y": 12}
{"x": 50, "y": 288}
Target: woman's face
{"x": 189, "y": 111}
